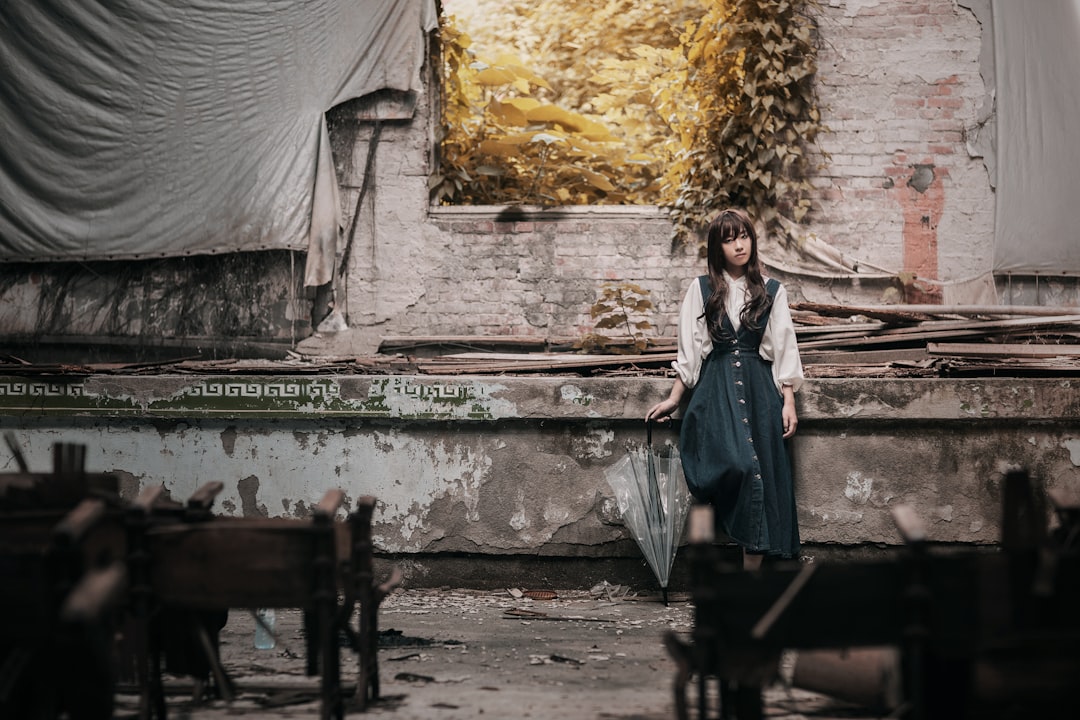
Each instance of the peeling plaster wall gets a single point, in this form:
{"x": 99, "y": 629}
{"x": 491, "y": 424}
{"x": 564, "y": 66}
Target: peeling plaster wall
{"x": 903, "y": 87}
{"x": 516, "y": 466}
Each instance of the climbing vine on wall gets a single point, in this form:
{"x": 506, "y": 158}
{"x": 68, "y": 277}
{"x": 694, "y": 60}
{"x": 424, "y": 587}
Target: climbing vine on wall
{"x": 744, "y": 113}
{"x": 620, "y": 320}
{"x": 691, "y": 104}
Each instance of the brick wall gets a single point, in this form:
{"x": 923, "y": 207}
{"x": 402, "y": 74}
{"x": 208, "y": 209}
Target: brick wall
{"x": 901, "y": 89}
{"x": 540, "y": 275}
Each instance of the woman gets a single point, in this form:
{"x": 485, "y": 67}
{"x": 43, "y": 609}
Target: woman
{"x": 737, "y": 351}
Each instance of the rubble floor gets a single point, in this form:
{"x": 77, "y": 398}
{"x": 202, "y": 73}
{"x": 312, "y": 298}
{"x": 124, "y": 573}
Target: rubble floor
{"x": 449, "y": 654}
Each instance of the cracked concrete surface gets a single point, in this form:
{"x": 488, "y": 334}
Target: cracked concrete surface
{"x": 458, "y": 654}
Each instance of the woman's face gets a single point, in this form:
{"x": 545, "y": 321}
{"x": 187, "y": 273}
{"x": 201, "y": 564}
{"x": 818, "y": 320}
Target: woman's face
{"x": 737, "y": 253}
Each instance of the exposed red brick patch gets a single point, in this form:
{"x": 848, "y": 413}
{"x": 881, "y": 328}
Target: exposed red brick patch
{"x": 921, "y": 198}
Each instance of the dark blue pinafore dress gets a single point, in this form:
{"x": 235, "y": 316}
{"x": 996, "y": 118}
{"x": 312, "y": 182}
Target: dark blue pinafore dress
{"x": 732, "y": 441}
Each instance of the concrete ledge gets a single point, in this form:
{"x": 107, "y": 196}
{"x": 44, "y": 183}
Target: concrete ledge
{"x": 505, "y": 398}
{"x": 515, "y": 466}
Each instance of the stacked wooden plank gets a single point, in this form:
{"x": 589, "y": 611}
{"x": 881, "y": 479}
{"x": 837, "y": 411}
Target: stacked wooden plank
{"x": 835, "y": 341}
{"x": 942, "y": 340}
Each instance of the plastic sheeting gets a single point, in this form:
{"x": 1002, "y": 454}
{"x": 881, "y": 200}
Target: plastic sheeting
{"x": 150, "y": 128}
{"x": 1037, "y": 64}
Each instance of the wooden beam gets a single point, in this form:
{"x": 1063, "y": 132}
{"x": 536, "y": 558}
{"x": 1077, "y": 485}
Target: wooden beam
{"x": 862, "y": 357}
{"x": 941, "y": 330}
{"x": 888, "y": 313}
{"x": 532, "y": 364}
{"x": 1016, "y": 350}
{"x": 934, "y": 310}
{"x": 394, "y": 343}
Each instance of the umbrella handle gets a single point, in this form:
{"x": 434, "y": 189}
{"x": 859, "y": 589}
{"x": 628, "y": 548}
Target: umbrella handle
{"x": 648, "y": 431}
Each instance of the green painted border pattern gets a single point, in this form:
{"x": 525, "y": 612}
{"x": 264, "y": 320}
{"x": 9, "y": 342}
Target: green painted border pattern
{"x": 67, "y": 396}
{"x": 441, "y": 399}
{"x": 271, "y": 397}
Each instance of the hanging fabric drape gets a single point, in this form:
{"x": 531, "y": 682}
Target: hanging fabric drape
{"x": 156, "y": 128}
{"x": 1037, "y": 58}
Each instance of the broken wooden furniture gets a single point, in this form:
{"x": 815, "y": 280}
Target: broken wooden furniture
{"x": 204, "y": 566}
{"x": 200, "y": 568}
{"x": 62, "y": 583}
{"x": 362, "y": 593}
{"x": 162, "y": 575}
{"x": 156, "y": 636}
{"x": 979, "y": 633}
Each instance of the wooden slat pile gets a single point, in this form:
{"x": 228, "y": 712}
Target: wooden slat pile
{"x": 938, "y": 340}
{"x": 835, "y": 341}
{"x": 556, "y": 355}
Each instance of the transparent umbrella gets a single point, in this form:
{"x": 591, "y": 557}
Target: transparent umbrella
{"x": 653, "y": 500}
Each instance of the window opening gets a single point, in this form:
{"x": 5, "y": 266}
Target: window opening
{"x": 689, "y": 105}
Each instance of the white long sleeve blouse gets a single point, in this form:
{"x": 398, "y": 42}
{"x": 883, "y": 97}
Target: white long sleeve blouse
{"x": 778, "y": 343}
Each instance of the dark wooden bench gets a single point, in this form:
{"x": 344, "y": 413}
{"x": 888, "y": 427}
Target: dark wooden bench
{"x": 165, "y": 574}
{"x": 59, "y": 603}
{"x": 199, "y": 569}
{"x": 977, "y": 631}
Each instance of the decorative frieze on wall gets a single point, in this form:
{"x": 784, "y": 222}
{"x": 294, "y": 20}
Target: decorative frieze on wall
{"x": 283, "y": 397}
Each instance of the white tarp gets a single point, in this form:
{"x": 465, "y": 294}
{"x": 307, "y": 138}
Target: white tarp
{"x": 151, "y": 128}
{"x": 1037, "y": 63}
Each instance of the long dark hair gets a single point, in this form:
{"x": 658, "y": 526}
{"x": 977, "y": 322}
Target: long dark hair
{"x": 727, "y": 226}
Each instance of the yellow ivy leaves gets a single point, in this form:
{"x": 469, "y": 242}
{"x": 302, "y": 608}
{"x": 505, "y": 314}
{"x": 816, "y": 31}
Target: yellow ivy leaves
{"x": 504, "y": 144}
{"x": 588, "y": 134}
{"x": 747, "y": 113}
{"x": 692, "y": 104}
